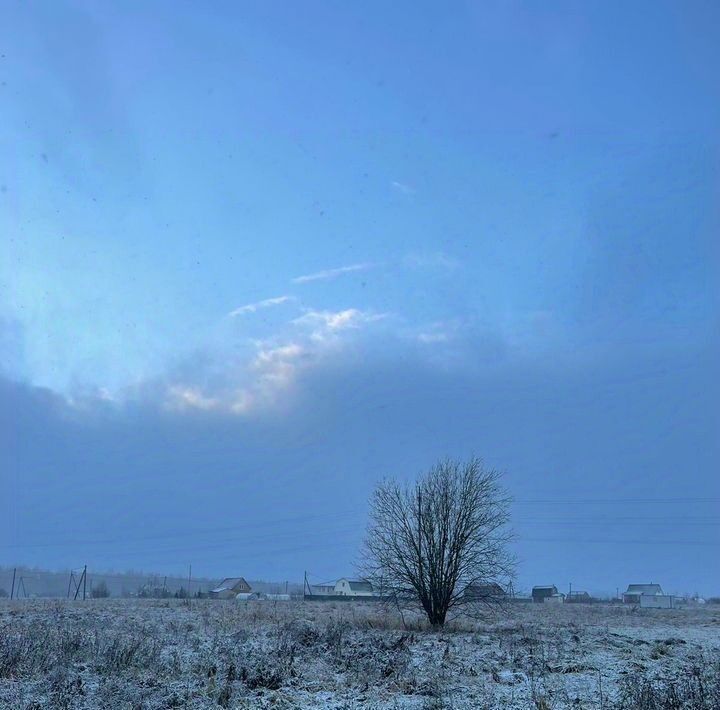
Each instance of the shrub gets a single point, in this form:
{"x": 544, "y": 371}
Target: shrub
{"x": 100, "y": 591}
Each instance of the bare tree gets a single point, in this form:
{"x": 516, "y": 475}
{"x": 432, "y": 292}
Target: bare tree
{"x": 437, "y": 540}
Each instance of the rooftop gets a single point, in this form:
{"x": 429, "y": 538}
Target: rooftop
{"x": 644, "y": 589}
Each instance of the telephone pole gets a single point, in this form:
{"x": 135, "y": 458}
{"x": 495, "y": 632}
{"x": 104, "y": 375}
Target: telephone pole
{"x": 12, "y": 589}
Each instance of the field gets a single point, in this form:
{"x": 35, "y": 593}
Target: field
{"x": 208, "y": 654}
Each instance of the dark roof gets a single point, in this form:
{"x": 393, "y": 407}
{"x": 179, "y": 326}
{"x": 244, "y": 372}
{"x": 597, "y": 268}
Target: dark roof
{"x": 485, "y": 590}
{"x": 644, "y": 589}
{"x": 545, "y": 586}
{"x": 229, "y": 583}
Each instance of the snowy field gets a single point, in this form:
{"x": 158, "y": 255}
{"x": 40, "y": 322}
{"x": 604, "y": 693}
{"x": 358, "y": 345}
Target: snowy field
{"x": 168, "y": 654}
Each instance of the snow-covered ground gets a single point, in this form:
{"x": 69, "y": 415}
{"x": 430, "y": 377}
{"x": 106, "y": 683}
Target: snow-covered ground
{"x": 208, "y": 654}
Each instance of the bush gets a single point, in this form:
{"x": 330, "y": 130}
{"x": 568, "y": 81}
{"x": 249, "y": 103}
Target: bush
{"x": 100, "y": 591}
{"x": 697, "y": 687}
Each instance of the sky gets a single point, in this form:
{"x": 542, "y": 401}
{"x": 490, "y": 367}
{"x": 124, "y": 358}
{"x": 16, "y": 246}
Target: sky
{"x": 255, "y": 257}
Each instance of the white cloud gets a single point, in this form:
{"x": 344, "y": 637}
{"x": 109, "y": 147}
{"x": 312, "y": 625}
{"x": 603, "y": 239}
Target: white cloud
{"x": 336, "y": 320}
{"x": 253, "y": 307}
{"x": 333, "y": 273}
{"x": 440, "y": 332}
{"x": 186, "y": 397}
{"x": 325, "y": 325}
{"x": 402, "y": 187}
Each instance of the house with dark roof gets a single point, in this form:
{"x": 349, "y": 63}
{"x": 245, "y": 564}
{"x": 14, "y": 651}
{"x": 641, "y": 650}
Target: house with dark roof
{"x": 635, "y": 591}
{"x": 229, "y": 588}
{"x": 345, "y": 587}
{"x": 578, "y": 597}
{"x": 492, "y": 592}
{"x": 542, "y": 592}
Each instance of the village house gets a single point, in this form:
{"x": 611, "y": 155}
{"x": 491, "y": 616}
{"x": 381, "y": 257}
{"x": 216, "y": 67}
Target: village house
{"x": 543, "y": 593}
{"x": 635, "y": 591}
{"x": 353, "y": 588}
{"x": 229, "y": 588}
{"x": 648, "y": 596}
{"x": 578, "y": 598}
{"x": 492, "y": 592}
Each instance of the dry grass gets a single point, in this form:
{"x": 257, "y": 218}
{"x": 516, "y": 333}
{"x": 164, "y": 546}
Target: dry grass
{"x": 161, "y": 654}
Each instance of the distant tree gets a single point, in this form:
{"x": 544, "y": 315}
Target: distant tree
{"x": 100, "y": 590}
{"x": 3, "y": 593}
{"x": 431, "y": 542}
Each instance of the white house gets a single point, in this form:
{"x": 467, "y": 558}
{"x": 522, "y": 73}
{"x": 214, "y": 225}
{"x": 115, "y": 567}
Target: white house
{"x": 353, "y": 588}
{"x": 635, "y": 591}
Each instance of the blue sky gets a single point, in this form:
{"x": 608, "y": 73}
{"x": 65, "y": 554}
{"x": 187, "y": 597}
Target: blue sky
{"x": 366, "y": 236}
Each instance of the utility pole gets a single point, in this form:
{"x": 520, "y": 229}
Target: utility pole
{"x": 82, "y": 579}
{"x": 12, "y": 589}
{"x": 189, "y": 579}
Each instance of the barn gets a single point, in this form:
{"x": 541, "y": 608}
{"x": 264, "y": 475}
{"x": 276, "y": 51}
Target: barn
{"x": 229, "y": 588}
{"x": 345, "y": 587}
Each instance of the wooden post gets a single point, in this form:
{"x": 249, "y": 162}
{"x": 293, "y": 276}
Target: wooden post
{"x": 12, "y": 589}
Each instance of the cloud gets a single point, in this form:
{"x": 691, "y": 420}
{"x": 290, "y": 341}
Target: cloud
{"x": 337, "y": 320}
{"x": 182, "y": 397}
{"x": 402, "y": 187}
{"x": 350, "y": 422}
{"x": 333, "y": 273}
{"x": 264, "y": 380}
{"x": 253, "y": 307}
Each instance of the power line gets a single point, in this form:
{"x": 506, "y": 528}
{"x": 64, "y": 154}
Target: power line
{"x": 604, "y": 501}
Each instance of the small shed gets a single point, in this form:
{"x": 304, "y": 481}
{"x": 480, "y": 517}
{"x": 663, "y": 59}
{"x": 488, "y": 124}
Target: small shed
{"x": 635, "y": 591}
{"x": 229, "y": 588}
{"x": 543, "y": 592}
{"x": 656, "y": 601}
{"x": 353, "y": 588}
